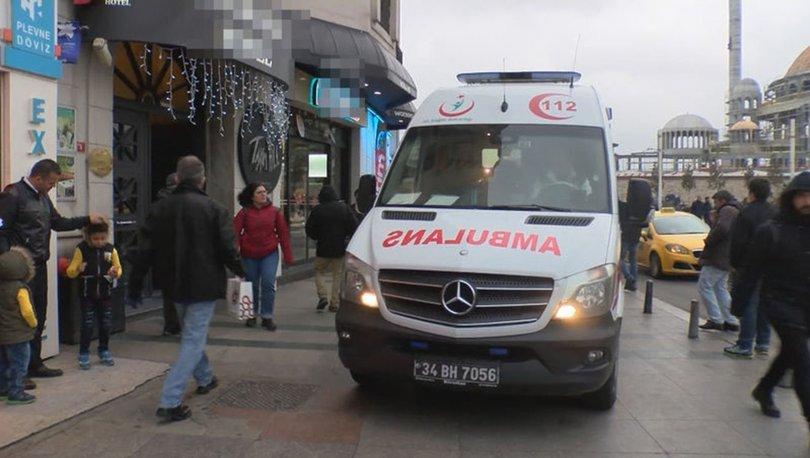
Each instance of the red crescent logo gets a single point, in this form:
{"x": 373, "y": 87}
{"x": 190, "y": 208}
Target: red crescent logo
{"x": 449, "y": 114}
{"x": 536, "y": 107}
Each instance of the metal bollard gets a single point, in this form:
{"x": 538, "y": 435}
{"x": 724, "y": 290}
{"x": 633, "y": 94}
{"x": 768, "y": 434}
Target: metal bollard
{"x": 648, "y": 297}
{"x": 694, "y": 319}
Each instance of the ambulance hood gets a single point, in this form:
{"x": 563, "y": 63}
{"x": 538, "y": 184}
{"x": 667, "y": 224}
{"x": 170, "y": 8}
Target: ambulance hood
{"x": 484, "y": 241}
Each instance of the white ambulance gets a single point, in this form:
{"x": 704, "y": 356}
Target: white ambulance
{"x": 490, "y": 259}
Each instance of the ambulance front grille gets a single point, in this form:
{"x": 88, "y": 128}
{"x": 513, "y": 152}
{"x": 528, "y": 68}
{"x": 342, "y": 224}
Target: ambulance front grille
{"x": 500, "y": 299}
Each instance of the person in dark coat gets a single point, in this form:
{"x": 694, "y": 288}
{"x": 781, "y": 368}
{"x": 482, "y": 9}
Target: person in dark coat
{"x": 752, "y": 324}
{"x": 171, "y": 322}
{"x": 697, "y": 208}
{"x": 188, "y": 240}
{"x": 634, "y": 215}
{"x": 779, "y": 257}
{"x": 330, "y": 224}
{"x": 716, "y": 266}
{"x": 707, "y": 209}
{"x": 28, "y": 217}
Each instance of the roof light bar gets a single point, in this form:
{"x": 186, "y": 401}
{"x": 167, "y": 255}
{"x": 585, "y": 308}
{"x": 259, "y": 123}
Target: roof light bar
{"x": 518, "y": 77}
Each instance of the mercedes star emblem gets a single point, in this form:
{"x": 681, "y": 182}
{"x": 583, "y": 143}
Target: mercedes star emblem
{"x": 458, "y": 297}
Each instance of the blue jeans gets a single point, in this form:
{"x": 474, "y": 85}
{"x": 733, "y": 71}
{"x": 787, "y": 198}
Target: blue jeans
{"x": 713, "y": 288}
{"x": 262, "y": 273}
{"x": 754, "y": 324}
{"x": 630, "y": 261}
{"x": 13, "y": 368}
{"x": 191, "y": 361}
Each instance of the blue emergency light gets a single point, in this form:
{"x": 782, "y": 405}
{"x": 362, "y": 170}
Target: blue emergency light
{"x": 518, "y": 77}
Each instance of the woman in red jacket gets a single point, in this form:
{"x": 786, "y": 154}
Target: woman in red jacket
{"x": 260, "y": 228}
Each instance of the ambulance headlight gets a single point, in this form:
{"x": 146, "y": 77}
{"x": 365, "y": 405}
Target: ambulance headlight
{"x": 357, "y": 283}
{"x": 588, "y": 293}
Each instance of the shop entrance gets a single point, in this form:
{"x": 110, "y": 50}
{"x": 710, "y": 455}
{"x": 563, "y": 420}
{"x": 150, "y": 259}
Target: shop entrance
{"x": 309, "y": 169}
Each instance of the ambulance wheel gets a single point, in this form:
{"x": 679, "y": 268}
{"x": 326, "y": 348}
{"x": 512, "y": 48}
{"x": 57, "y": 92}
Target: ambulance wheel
{"x": 604, "y": 397}
{"x": 656, "y": 271}
{"x": 365, "y": 381}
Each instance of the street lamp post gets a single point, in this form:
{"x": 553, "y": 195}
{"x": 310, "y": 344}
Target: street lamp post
{"x": 660, "y": 178}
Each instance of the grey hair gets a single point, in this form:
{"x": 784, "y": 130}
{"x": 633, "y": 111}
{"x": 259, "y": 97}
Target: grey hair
{"x": 190, "y": 169}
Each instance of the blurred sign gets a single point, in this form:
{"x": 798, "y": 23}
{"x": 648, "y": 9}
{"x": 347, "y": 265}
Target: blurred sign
{"x": 69, "y": 36}
{"x": 33, "y": 38}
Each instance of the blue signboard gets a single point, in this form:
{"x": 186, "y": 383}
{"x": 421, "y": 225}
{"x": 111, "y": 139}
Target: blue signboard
{"x": 70, "y": 40}
{"x": 33, "y": 34}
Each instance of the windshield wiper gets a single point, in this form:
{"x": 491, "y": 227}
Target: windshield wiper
{"x": 530, "y": 207}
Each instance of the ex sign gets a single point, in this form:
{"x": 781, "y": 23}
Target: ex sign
{"x": 33, "y": 35}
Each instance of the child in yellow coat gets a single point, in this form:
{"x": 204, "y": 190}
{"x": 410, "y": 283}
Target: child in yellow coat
{"x": 17, "y": 324}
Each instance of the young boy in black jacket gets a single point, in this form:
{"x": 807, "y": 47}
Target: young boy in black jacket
{"x": 97, "y": 262}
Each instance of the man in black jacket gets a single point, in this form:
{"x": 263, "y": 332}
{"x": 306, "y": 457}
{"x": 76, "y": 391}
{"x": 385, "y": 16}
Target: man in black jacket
{"x": 28, "y": 217}
{"x": 188, "y": 240}
{"x": 752, "y": 324}
{"x": 716, "y": 266}
{"x": 330, "y": 224}
{"x": 779, "y": 256}
{"x": 171, "y": 322}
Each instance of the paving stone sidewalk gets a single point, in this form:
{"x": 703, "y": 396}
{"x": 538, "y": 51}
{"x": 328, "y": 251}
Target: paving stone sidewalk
{"x": 286, "y": 394}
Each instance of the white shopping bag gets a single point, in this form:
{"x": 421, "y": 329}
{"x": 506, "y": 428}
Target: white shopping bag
{"x": 240, "y": 299}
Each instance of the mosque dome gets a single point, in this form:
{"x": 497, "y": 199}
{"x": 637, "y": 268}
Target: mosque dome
{"x": 747, "y": 87}
{"x": 801, "y": 64}
{"x": 688, "y": 122}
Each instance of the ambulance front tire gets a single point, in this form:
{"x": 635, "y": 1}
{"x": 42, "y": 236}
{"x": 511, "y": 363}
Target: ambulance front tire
{"x": 604, "y": 397}
{"x": 364, "y": 381}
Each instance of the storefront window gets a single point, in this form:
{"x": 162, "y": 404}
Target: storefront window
{"x": 308, "y": 172}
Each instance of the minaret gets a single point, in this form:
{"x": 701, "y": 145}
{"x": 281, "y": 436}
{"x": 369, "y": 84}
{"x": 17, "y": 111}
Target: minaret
{"x": 734, "y": 51}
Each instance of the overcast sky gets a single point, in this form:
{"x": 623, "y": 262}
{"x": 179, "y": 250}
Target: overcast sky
{"x": 650, "y": 59}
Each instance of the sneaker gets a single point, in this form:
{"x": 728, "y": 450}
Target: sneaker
{"x": 29, "y": 384}
{"x": 268, "y": 324}
{"x": 106, "y": 358}
{"x": 207, "y": 388}
{"x": 322, "y": 303}
{"x": 22, "y": 398}
{"x": 766, "y": 404}
{"x": 711, "y": 326}
{"x": 761, "y": 350}
{"x": 250, "y": 322}
{"x": 168, "y": 332}
{"x": 735, "y": 351}
{"x": 630, "y": 286}
{"x": 84, "y": 361}
{"x": 733, "y": 327}
{"x": 44, "y": 372}
{"x": 178, "y": 413}
{"x": 333, "y": 308}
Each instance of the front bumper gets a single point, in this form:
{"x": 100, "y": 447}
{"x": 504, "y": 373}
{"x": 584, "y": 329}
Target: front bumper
{"x": 552, "y": 361}
{"x": 680, "y": 264}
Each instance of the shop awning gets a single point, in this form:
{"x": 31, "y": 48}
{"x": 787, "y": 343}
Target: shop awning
{"x": 399, "y": 117}
{"x": 328, "y": 49}
{"x": 206, "y": 32}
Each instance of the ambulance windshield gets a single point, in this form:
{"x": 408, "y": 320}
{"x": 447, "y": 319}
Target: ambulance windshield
{"x": 561, "y": 168}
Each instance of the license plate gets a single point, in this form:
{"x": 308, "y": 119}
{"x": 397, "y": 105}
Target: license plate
{"x": 451, "y": 372}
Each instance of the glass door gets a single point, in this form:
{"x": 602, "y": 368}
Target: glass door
{"x": 308, "y": 171}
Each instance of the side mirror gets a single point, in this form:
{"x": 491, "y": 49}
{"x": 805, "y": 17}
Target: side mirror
{"x": 645, "y": 233}
{"x": 366, "y": 193}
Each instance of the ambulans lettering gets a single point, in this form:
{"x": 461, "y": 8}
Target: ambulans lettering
{"x": 497, "y": 239}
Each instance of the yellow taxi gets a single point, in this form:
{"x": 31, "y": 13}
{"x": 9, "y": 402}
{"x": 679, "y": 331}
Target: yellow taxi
{"x": 672, "y": 243}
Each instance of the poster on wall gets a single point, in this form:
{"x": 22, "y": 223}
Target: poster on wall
{"x": 66, "y": 187}
{"x": 66, "y": 129}
{"x": 69, "y": 37}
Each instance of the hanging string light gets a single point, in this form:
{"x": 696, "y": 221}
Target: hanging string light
{"x": 190, "y": 72}
{"x": 222, "y": 102}
{"x": 145, "y": 54}
{"x": 170, "y": 84}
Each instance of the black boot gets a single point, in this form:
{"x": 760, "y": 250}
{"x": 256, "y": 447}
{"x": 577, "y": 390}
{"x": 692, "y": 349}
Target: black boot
{"x": 250, "y": 322}
{"x": 766, "y": 404}
{"x": 178, "y": 413}
{"x": 268, "y": 324}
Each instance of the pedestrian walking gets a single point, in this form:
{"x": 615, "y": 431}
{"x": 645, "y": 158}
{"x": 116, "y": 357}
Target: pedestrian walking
{"x": 634, "y": 215}
{"x": 716, "y": 265}
{"x": 29, "y": 217}
{"x": 331, "y": 224}
{"x": 260, "y": 230}
{"x": 753, "y": 325}
{"x": 96, "y": 261}
{"x": 171, "y": 322}
{"x": 779, "y": 257}
{"x": 17, "y": 325}
{"x": 697, "y": 208}
{"x": 188, "y": 240}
